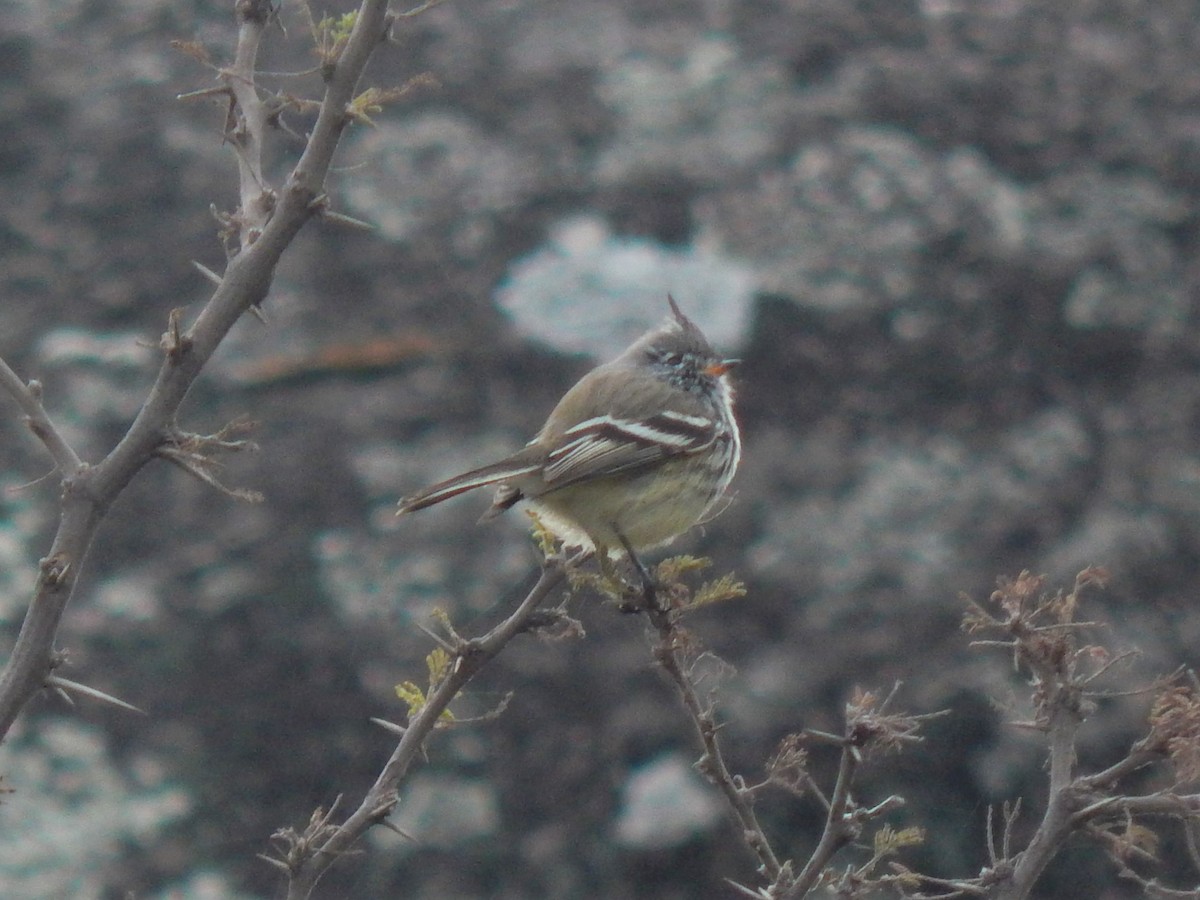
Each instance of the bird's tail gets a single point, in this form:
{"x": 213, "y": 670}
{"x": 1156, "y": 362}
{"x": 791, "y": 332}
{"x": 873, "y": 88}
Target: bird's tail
{"x": 506, "y": 470}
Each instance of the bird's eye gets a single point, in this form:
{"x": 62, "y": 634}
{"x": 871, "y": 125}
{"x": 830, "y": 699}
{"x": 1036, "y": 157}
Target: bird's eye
{"x": 673, "y": 359}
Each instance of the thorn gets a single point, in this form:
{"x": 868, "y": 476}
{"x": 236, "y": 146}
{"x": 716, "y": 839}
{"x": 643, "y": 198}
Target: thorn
{"x": 207, "y": 272}
{"x": 63, "y": 695}
{"x": 404, "y": 834}
{"x": 744, "y": 891}
{"x": 204, "y": 92}
{"x": 399, "y": 730}
{"x": 416, "y": 11}
{"x": 14, "y": 489}
{"x": 348, "y": 221}
{"x": 436, "y": 638}
{"x": 65, "y": 684}
{"x": 825, "y": 737}
{"x": 328, "y": 816}
{"x": 385, "y": 806}
{"x": 277, "y": 863}
{"x": 54, "y": 569}
{"x": 174, "y": 342}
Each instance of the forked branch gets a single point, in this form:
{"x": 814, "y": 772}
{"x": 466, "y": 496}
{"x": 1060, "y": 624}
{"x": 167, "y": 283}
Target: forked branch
{"x": 306, "y": 856}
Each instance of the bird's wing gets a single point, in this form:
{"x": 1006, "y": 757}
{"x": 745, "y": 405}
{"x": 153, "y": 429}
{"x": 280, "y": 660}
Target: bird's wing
{"x": 608, "y": 444}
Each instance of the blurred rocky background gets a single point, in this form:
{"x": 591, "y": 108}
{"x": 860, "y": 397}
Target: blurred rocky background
{"x": 954, "y": 242}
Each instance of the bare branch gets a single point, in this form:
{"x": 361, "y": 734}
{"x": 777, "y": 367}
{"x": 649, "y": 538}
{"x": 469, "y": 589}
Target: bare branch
{"x": 1041, "y": 632}
{"x": 1163, "y": 803}
{"x": 29, "y": 398}
{"x": 307, "y": 861}
{"x": 672, "y": 652}
{"x": 248, "y": 133}
{"x": 837, "y": 832}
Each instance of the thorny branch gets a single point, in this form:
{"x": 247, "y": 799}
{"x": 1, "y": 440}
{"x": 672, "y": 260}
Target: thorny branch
{"x": 1040, "y": 630}
{"x": 88, "y": 491}
{"x": 869, "y": 727}
{"x": 305, "y": 856}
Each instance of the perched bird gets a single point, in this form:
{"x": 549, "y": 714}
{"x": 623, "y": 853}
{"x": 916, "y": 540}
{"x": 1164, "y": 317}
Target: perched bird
{"x": 635, "y": 454}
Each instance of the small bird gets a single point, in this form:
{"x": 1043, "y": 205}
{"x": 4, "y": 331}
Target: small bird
{"x": 635, "y": 454}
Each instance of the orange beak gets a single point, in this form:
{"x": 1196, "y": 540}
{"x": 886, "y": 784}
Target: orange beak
{"x": 720, "y": 368}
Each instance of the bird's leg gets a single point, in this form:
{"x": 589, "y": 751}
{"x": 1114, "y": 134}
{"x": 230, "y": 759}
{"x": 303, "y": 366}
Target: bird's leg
{"x": 649, "y": 586}
{"x": 579, "y": 558}
{"x": 614, "y": 582}
{"x": 604, "y": 562}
